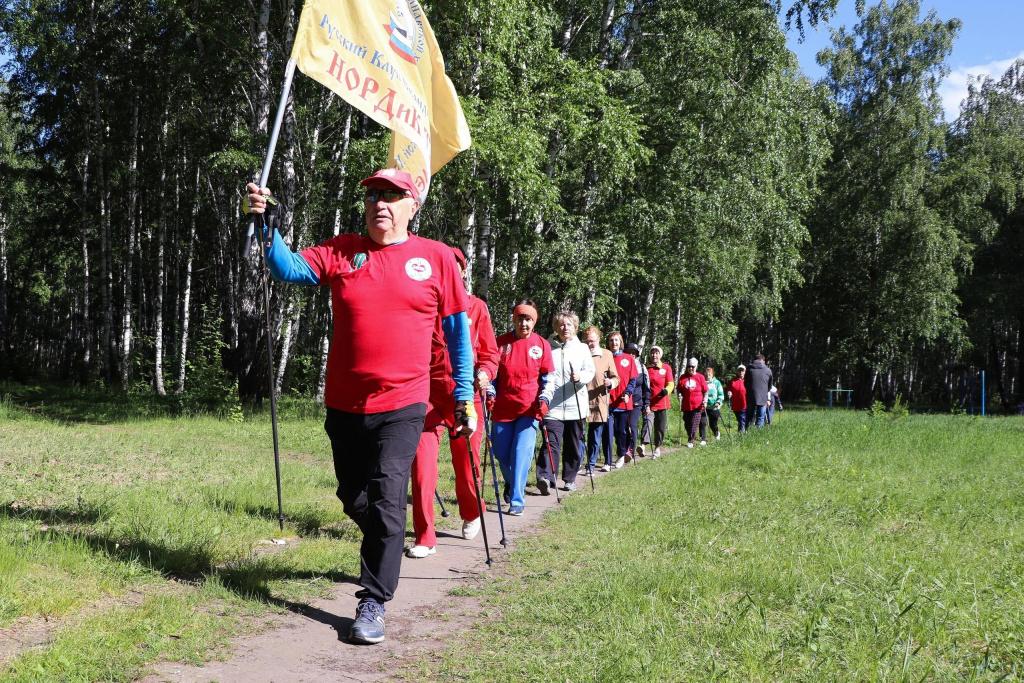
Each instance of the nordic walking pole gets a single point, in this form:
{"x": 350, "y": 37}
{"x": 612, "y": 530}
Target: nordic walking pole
{"x": 444, "y": 510}
{"x": 590, "y": 470}
{"x": 494, "y": 470}
{"x": 478, "y": 490}
{"x": 265, "y": 272}
{"x": 258, "y": 222}
{"x": 551, "y": 459}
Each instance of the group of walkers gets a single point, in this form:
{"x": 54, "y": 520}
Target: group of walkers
{"x": 387, "y": 413}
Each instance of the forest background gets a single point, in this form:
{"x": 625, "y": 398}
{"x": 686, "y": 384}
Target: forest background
{"x": 663, "y": 168}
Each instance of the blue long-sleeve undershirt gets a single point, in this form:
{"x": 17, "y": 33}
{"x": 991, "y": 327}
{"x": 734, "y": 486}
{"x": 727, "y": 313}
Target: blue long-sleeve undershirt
{"x": 289, "y": 266}
{"x": 460, "y": 353}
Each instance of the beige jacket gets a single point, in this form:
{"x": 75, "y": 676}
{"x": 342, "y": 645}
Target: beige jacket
{"x": 597, "y": 390}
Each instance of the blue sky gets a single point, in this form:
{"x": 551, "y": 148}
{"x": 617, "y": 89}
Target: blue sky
{"x": 991, "y": 37}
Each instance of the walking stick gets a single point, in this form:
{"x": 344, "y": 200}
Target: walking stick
{"x": 494, "y": 470}
{"x": 437, "y": 497}
{"x": 551, "y": 459}
{"x": 265, "y": 272}
{"x": 590, "y": 470}
{"x": 479, "y": 496}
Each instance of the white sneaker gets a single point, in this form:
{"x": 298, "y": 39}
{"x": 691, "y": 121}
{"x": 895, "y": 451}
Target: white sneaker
{"x": 718, "y": 437}
{"x": 703, "y": 442}
{"x": 620, "y": 463}
{"x": 657, "y": 452}
{"x": 604, "y": 468}
{"x": 470, "y": 529}
{"x": 420, "y": 551}
{"x": 689, "y": 444}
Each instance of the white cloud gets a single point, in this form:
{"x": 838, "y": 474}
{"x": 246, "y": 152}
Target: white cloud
{"x": 953, "y": 90}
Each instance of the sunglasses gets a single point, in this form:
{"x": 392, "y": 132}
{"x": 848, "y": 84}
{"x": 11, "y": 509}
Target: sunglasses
{"x": 374, "y": 196}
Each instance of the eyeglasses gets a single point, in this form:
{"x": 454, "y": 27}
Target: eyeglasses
{"x": 374, "y": 196}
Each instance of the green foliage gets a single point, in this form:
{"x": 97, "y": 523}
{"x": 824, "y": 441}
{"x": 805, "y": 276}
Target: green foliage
{"x": 210, "y": 388}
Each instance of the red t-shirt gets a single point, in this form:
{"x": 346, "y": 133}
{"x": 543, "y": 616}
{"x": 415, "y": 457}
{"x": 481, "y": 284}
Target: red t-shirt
{"x": 627, "y": 367}
{"x": 660, "y": 377}
{"x": 385, "y": 314}
{"x": 739, "y": 394}
{"x": 485, "y": 357}
{"x": 692, "y": 389}
{"x": 522, "y": 363}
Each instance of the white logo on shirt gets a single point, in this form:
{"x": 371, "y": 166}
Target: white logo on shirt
{"x": 535, "y": 352}
{"x": 624, "y": 362}
{"x": 691, "y": 383}
{"x": 661, "y": 371}
{"x": 418, "y": 269}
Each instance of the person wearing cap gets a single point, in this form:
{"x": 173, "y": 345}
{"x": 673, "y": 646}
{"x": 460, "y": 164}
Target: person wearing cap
{"x": 737, "y": 394}
{"x": 712, "y": 405}
{"x": 518, "y": 399}
{"x": 620, "y": 399}
{"x": 563, "y": 425}
{"x": 385, "y": 284}
{"x": 692, "y": 390}
{"x": 641, "y": 404}
{"x": 662, "y": 384}
{"x": 606, "y": 378}
{"x": 440, "y": 415}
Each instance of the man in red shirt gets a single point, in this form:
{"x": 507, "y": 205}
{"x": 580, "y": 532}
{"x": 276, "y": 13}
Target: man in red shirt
{"x": 693, "y": 389}
{"x": 737, "y": 393}
{"x": 386, "y": 284}
{"x": 465, "y": 453}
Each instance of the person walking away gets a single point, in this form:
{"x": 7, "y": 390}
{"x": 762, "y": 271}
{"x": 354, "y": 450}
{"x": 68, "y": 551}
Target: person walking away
{"x": 662, "y": 384}
{"x": 385, "y": 283}
{"x": 692, "y": 390}
{"x": 520, "y": 399}
{"x": 758, "y": 382}
{"x": 641, "y": 404}
{"x": 737, "y": 395}
{"x": 774, "y": 403}
{"x": 440, "y": 415}
{"x": 620, "y": 399}
{"x": 713, "y": 404}
{"x": 574, "y": 369}
{"x": 606, "y": 378}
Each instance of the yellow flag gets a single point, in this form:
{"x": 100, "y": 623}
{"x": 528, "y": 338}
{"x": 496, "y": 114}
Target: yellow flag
{"x": 381, "y": 57}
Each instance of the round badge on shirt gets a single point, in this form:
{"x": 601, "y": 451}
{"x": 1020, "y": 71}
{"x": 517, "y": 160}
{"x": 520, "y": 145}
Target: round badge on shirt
{"x": 661, "y": 371}
{"x": 691, "y": 383}
{"x": 418, "y": 269}
{"x": 535, "y": 352}
{"x": 624, "y": 362}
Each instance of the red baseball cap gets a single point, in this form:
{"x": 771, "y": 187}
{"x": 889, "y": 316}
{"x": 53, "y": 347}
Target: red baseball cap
{"x": 459, "y": 256}
{"x": 392, "y": 178}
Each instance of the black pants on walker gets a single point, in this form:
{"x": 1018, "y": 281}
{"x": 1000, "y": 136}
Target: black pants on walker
{"x": 712, "y": 415}
{"x": 373, "y": 457}
{"x": 565, "y": 438}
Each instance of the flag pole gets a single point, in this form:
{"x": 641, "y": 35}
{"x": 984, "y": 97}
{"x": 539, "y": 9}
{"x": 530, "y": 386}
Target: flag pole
{"x": 289, "y": 73}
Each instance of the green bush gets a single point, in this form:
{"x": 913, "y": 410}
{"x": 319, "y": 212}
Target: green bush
{"x": 209, "y": 388}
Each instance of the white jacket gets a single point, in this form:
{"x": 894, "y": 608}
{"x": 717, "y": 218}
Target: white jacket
{"x": 574, "y": 355}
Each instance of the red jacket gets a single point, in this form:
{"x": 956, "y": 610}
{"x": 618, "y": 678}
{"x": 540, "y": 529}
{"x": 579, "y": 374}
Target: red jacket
{"x": 739, "y": 394}
{"x": 621, "y": 397}
{"x": 522, "y": 366}
{"x": 485, "y": 357}
{"x": 692, "y": 390}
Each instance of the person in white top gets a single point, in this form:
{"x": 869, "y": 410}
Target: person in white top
{"x": 564, "y": 423}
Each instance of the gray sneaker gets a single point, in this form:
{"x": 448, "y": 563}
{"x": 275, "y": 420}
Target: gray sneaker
{"x": 368, "y": 627}
{"x": 569, "y": 486}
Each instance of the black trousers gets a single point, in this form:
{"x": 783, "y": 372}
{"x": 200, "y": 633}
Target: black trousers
{"x": 712, "y": 415}
{"x": 660, "y": 427}
{"x": 565, "y": 438}
{"x": 692, "y": 420}
{"x": 373, "y": 457}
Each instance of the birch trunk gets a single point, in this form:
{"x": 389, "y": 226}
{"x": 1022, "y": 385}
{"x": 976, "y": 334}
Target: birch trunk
{"x": 158, "y": 299}
{"x": 186, "y": 290}
{"x": 129, "y": 263}
{"x": 86, "y": 301}
{"x": 3, "y": 279}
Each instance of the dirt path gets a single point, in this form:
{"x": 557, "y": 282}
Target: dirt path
{"x": 310, "y": 644}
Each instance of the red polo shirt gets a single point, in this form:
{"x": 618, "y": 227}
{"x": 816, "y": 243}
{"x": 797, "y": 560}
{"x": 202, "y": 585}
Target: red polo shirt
{"x": 385, "y": 314}
{"x": 692, "y": 389}
{"x": 522, "y": 363}
{"x": 739, "y": 394}
{"x": 660, "y": 378}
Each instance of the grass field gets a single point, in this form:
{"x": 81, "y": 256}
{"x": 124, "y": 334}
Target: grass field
{"x": 835, "y": 546}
